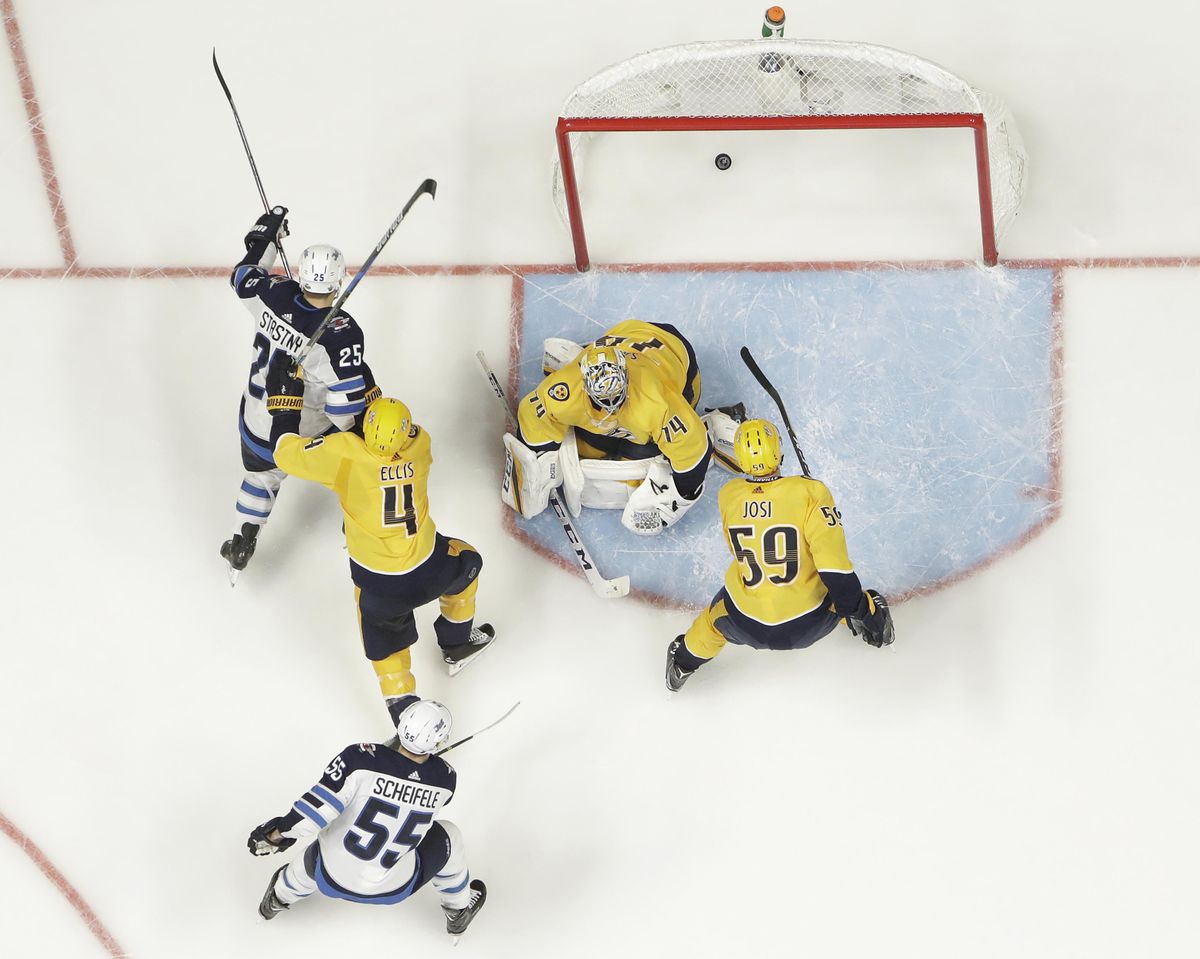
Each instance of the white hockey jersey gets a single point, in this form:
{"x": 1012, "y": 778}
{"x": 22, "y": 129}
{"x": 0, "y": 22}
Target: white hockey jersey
{"x": 369, "y": 810}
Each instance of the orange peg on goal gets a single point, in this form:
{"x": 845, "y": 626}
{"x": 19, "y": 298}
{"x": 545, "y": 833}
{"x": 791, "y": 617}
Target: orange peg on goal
{"x": 773, "y": 22}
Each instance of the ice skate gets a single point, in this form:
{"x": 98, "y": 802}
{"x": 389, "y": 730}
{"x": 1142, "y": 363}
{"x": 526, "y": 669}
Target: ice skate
{"x": 238, "y": 550}
{"x": 271, "y": 906}
{"x": 457, "y": 920}
{"x": 458, "y": 657}
{"x": 676, "y": 674}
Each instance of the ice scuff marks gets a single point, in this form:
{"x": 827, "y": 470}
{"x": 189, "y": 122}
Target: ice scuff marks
{"x": 927, "y": 399}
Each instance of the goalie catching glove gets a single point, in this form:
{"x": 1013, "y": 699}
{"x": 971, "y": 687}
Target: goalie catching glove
{"x": 657, "y": 503}
{"x": 873, "y": 620}
{"x": 529, "y": 477}
{"x": 285, "y": 385}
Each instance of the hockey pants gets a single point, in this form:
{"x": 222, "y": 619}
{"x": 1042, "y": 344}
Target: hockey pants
{"x": 441, "y": 860}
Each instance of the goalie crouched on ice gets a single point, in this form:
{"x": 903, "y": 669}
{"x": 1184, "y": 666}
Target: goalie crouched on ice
{"x": 614, "y": 423}
{"x": 398, "y": 559}
{"x": 791, "y": 580}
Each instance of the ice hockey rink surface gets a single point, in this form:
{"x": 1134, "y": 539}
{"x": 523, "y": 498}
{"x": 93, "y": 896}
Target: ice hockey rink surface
{"x": 1015, "y": 776}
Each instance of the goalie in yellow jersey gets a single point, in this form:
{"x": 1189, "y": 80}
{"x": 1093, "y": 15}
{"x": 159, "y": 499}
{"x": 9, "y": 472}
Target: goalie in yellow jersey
{"x": 614, "y": 423}
{"x": 398, "y": 559}
{"x": 791, "y": 580}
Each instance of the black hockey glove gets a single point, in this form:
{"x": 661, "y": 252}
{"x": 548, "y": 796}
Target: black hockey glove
{"x": 272, "y": 227}
{"x": 285, "y": 385}
{"x": 260, "y": 845}
{"x": 873, "y": 620}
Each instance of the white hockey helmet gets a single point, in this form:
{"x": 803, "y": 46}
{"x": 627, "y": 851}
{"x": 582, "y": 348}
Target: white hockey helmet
{"x": 605, "y": 378}
{"x": 424, "y": 727}
{"x": 322, "y": 269}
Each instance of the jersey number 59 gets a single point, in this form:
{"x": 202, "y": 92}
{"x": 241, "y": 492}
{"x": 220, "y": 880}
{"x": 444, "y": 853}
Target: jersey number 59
{"x": 778, "y": 549}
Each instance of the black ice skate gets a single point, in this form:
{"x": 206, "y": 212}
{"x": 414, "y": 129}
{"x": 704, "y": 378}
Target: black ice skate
{"x": 457, "y": 920}
{"x": 238, "y": 550}
{"x": 457, "y": 657}
{"x": 271, "y": 906}
{"x": 676, "y": 674}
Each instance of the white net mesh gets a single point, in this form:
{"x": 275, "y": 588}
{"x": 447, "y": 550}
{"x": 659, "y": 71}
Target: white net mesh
{"x": 768, "y": 78}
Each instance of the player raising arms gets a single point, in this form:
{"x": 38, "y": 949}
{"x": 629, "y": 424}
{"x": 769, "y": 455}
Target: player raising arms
{"x": 371, "y": 814}
{"x": 286, "y": 313}
{"x": 791, "y": 580}
{"x": 398, "y": 559}
{"x": 630, "y": 397}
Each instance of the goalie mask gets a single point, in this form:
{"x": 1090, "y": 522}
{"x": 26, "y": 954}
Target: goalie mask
{"x": 758, "y": 448}
{"x": 605, "y": 378}
{"x": 387, "y": 427}
{"x": 322, "y": 269}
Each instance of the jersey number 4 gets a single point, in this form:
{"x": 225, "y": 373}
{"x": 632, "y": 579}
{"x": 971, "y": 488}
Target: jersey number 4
{"x": 778, "y": 549}
{"x": 396, "y": 515}
{"x": 372, "y": 835}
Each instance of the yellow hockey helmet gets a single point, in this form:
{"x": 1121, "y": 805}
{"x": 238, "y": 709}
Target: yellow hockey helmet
{"x": 757, "y": 448}
{"x": 387, "y": 427}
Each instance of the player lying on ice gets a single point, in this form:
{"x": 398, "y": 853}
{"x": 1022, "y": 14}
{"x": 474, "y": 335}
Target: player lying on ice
{"x": 398, "y": 559}
{"x": 791, "y": 580}
{"x": 615, "y": 424}
{"x": 371, "y": 814}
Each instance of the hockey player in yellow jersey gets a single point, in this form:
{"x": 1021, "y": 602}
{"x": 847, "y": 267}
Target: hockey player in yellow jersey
{"x": 791, "y": 580}
{"x": 398, "y": 559}
{"x": 615, "y": 424}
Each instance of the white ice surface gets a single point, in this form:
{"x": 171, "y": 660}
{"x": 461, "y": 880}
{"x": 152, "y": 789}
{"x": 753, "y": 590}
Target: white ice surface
{"x": 1015, "y": 777}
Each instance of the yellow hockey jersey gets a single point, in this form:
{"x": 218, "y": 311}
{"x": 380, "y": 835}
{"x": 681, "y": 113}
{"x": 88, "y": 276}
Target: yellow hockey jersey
{"x": 782, "y": 533}
{"x": 386, "y": 504}
{"x": 654, "y": 410}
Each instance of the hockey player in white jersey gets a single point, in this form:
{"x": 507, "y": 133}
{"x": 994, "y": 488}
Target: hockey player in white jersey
{"x": 339, "y": 383}
{"x": 371, "y": 814}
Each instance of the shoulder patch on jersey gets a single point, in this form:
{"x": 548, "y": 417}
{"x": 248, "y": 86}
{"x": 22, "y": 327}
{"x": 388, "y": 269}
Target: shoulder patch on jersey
{"x": 276, "y": 280}
{"x": 340, "y": 322}
{"x": 313, "y": 444}
{"x": 414, "y": 431}
{"x": 560, "y": 392}
{"x": 367, "y": 748}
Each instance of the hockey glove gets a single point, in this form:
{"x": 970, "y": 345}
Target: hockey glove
{"x": 873, "y": 620}
{"x": 260, "y": 845}
{"x": 272, "y": 227}
{"x": 285, "y": 385}
{"x": 657, "y": 503}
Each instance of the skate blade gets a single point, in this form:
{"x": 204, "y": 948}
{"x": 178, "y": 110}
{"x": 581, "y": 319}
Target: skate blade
{"x": 233, "y": 575}
{"x": 456, "y": 668}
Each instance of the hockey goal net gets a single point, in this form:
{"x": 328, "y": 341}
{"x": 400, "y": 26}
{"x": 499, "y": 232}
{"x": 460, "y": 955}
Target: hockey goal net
{"x": 779, "y": 84}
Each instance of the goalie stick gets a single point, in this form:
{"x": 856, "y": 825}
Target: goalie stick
{"x": 605, "y": 588}
{"x": 467, "y": 739}
{"x": 250, "y": 156}
{"x": 758, "y": 374}
{"x": 427, "y": 186}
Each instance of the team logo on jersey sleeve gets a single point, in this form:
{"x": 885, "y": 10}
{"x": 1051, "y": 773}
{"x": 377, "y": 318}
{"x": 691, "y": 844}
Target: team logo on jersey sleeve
{"x": 560, "y": 392}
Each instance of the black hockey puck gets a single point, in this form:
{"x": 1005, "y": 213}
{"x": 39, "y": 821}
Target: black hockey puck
{"x": 723, "y": 161}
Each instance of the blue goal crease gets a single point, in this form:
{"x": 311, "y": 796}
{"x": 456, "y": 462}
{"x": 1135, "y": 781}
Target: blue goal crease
{"x": 925, "y": 399}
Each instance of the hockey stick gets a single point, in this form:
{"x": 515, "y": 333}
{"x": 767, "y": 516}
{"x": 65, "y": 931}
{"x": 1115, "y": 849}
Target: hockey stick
{"x": 427, "y": 186}
{"x": 250, "y": 156}
{"x": 467, "y": 739}
{"x": 606, "y": 588}
{"x": 758, "y": 374}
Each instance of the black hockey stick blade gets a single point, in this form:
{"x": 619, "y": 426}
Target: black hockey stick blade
{"x": 467, "y": 739}
{"x": 758, "y": 374}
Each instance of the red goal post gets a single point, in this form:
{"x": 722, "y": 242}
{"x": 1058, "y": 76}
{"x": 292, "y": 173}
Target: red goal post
{"x": 780, "y": 84}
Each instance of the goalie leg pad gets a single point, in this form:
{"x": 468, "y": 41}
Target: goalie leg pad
{"x": 722, "y": 424}
{"x": 656, "y": 504}
{"x": 528, "y": 477}
{"x": 572, "y": 472}
{"x": 608, "y": 484}
{"x": 557, "y": 353}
